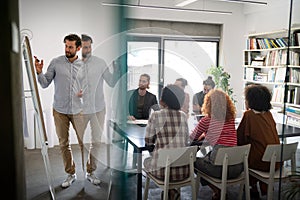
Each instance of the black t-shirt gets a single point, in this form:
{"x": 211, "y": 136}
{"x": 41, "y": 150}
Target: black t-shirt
{"x": 198, "y": 98}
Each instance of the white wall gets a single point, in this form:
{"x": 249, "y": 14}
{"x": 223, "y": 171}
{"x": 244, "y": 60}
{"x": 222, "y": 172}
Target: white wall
{"x": 46, "y": 23}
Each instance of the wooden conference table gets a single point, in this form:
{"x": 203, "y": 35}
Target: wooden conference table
{"x": 134, "y": 134}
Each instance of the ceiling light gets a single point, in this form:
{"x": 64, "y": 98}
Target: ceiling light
{"x": 167, "y": 8}
{"x": 245, "y": 1}
{"x": 184, "y": 3}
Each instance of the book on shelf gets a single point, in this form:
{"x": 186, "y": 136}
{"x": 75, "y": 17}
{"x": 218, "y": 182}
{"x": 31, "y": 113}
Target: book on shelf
{"x": 293, "y": 110}
{"x": 276, "y": 58}
{"x": 296, "y": 36}
{"x": 280, "y": 74}
{"x": 252, "y": 43}
{"x": 260, "y": 43}
{"x": 284, "y": 41}
{"x": 293, "y": 117}
{"x": 297, "y": 95}
{"x": 295, "y": 75}
{"x": 271, "y": 75}
{"x": 291, "y": 95}
{"x": 278, "y": 93}
{"x": 274, "y": 43}
{"x": 293, "y": 121}
{"x": 262, "y": 77}
{"x": 257, "y": 63}
{"x": 258, "y": 60}
{"x": 249, "y": 73}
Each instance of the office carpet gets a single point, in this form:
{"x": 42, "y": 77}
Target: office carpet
{"x": 123, "y": 183}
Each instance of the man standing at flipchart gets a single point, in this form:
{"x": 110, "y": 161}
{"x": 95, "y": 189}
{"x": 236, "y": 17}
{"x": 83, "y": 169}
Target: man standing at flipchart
{"x": 66, "y": 105}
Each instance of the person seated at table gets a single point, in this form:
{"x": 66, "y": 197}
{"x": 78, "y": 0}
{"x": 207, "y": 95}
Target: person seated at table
{"x": 167, "y": 128}
{"x": 198, "y": 98}
{"x": 218, "y": 130}
{"x": 141, "y": 101}
{"x": 182, "y": 83}
{"x": 257, "y": 128}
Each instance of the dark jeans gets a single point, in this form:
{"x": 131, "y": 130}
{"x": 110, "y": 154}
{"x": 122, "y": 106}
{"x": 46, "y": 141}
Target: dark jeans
{"x": 206, "y": 166}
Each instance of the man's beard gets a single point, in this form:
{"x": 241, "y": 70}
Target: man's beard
{"x": 86, "y": 55}
{"x": 70, "y": 55}
{"x": 142, "y": 87}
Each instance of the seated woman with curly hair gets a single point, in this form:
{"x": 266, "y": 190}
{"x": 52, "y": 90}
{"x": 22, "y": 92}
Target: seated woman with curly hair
{"x": 257, "y": 128}
{"x": 218, "y": 130}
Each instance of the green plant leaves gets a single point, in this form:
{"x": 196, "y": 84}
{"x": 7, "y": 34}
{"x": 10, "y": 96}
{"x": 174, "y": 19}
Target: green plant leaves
{"x": 222, "y": 80}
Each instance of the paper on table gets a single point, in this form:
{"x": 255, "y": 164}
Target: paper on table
{"x": 137, "y": 121}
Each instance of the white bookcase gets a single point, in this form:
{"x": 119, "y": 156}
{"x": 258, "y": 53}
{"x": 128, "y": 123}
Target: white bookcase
{"x": 268, "y": 60}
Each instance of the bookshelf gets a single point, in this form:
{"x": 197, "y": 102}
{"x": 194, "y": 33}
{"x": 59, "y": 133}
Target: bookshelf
{"x": 268, "y": 60}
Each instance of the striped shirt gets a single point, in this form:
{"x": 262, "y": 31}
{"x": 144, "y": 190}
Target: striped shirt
{"x": 166, "y": 128}
{"x": 216, "y": 132}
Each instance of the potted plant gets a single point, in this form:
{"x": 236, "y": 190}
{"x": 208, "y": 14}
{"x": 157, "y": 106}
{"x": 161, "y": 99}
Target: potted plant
{"x": 222, "y": 80}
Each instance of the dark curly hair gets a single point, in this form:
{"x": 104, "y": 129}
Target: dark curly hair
{"x": 73, "y": 37}
{"x": 209, "y": 81}
{"x": 258, "y": 97}
{"x": 173, "y": 96}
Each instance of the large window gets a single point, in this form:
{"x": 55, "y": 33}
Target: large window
{"x": 189, "y": 60}
{"x": 165, "y": 59}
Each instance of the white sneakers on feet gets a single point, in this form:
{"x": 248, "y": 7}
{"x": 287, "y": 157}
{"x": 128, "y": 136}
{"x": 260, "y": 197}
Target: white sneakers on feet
{"x": 93, "y": 179}
{"x": 69, "y": 180}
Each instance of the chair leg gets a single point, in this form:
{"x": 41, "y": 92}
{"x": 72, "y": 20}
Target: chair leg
{"x": 194, "y": 193}
{"x": 146, "y": 188}
{"x": 241, "y": 191}
{"x": 166, "y": 192}
{"x": 270, "y": 191}
{"x": 223, "y": 194}
{"x": 197, "y": 184}
{"x": 247, "y": 190}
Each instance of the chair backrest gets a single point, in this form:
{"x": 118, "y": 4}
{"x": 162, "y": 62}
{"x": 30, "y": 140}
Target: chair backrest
{"x": 235, "y": 155}
{"x": 177, "y": 156}
{"x": 289, "y": 151}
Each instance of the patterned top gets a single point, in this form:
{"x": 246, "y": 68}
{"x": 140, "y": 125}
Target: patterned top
{"x": 216, "y": 132}
{"x": 167, "y": 128}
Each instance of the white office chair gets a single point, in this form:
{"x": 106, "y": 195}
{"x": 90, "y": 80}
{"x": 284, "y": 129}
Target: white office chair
{"x": 225, "y": 157}
{"x": 174, "y": 157}
{"x": 273, "y": 154}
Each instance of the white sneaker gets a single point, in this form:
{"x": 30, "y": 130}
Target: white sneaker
{"x": 69, "y": 180}
{"x": 93, "y": 179}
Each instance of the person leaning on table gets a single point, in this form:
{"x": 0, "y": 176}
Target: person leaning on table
{"x": 167, "y": 128}
{"x": 257, "y": 128}
{"x": 217, "y": 128}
